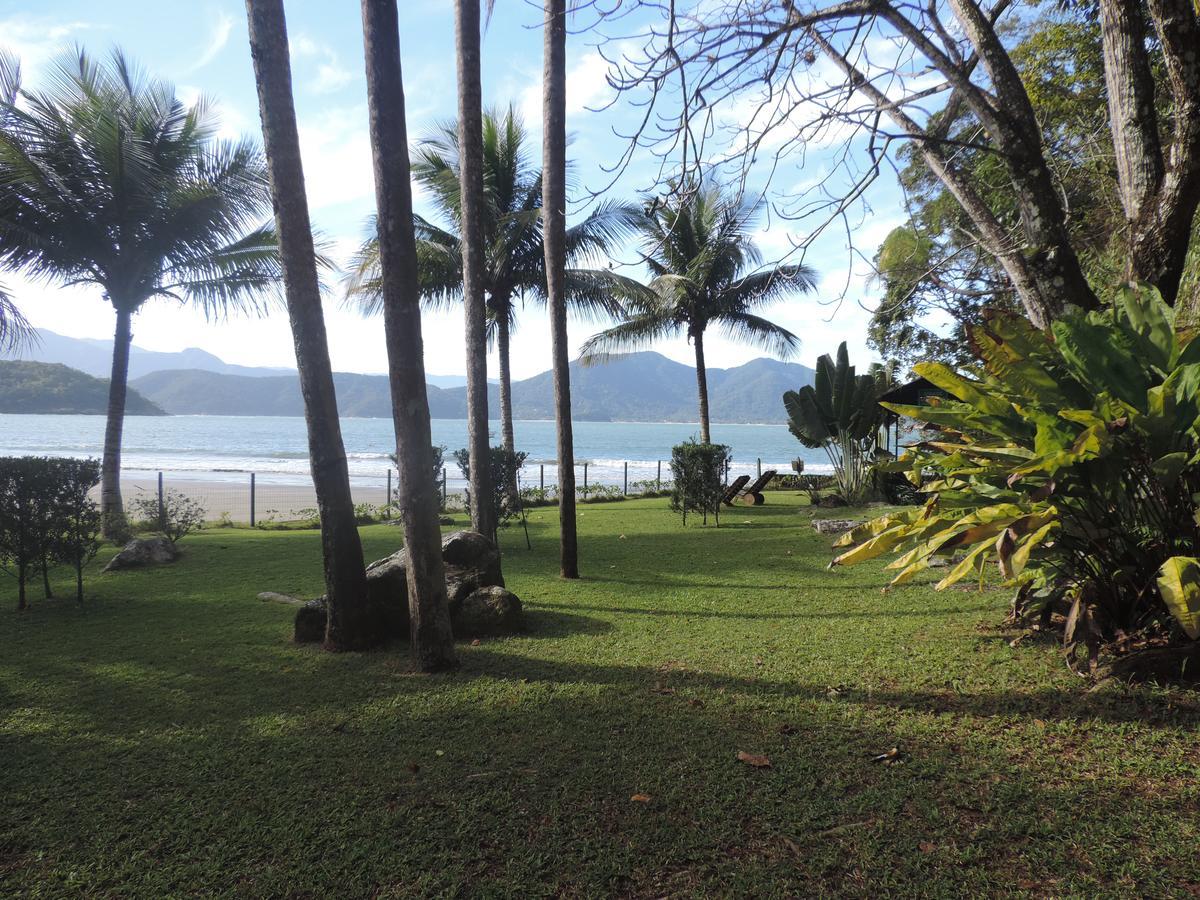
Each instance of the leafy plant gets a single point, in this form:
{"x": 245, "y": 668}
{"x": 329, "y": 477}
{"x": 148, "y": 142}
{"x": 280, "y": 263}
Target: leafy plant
{"x": 176, "y": 517}
{"x": 1070, "y": 459}
{"x": 506, "y": 495}
{"x": 840, "y": 414}
{"x": 698, "y": 484}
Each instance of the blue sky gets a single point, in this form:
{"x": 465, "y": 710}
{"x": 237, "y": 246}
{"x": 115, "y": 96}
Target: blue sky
{"x": 202, "y": 48}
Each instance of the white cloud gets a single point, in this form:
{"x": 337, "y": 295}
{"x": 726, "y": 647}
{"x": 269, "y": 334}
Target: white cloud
{"x": 36, "y": 40}
{"x": 331, "y": 75}
{"x": 222, "y": 29}
{"x": 587, "y": 88}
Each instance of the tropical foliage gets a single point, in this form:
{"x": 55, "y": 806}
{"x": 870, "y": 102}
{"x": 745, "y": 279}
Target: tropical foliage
{"x": 515, "y": 268}
{"x": 706, "y": 271}
{"x": 840, "y": 414}
{"x": 698, "y": 479}
{"x": 1071, "y": 459}
{"x": 108, "y": 179}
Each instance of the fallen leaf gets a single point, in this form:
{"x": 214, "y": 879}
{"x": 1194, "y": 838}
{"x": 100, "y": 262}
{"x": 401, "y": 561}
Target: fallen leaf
{"x": 926, "y": 847}
{"x": 660, "y": 688}
{"x": 756, "y": 760}
{"x": 1040, "y": 723}
{"x": 696, "y": 702}
{"x": 890, "y": 757}
{"x": 440, "y": 752}
{"x": 621, "y": 537}
{"x": 475, "y": 643}
{"x": 640, "y": 798}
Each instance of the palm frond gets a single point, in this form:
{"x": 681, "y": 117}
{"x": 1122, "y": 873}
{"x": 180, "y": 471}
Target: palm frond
{"x": 634, "y": 333}
{"x": 15, "y": 330}
{"x": 756, "y": 331}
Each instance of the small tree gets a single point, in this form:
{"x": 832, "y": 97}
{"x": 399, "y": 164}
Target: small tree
{"x": 505, "y": 470}
{"x": 21, "y": 544}
{"x": 78, "y": 518}
{"x": 176, "y": 517}
{"x": 840, "y": 414}
{"x": 698, "y": 486}
{"x": 439, "y": 462}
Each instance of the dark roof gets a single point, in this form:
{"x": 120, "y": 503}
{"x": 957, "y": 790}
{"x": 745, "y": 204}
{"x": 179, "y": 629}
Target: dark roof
{"x": 914, "y": 393}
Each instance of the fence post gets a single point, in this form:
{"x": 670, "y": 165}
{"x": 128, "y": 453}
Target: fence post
{"x": 760, "y": 467}
{"x": 585, "y": 481}
{"x": 387, "y": 499}
{"x": 626, "y": 490}
{"x": 251, "y": 499}
{"x": 658, "y": 477}
{"x": 162, "y": 507}
{"x": 542, "y": 477}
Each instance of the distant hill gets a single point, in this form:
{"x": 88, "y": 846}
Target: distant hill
{"x": 94, "y": 357}
{"x": 640, "y": 387}
{"x": 35, "y": 387}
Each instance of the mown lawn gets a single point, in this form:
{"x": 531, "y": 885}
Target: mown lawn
{"x": 167, "y": 738}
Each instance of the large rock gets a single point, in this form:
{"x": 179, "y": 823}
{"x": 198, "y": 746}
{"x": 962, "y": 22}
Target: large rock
{"x": 833, "y": 526}
{"x": 485, "y": 612}
{"x": 310, "y": 622}
{"x": 472, "y": 568}
{"x": 143, "y": 552}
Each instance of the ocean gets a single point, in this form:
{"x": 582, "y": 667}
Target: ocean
{"x": 228, "y": 448}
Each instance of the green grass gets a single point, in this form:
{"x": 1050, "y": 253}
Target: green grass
{"x": 167, "y": 738}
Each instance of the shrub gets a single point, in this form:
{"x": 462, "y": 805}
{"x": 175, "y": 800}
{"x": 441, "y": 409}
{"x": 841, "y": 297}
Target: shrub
{"x": 438, "y": 452}
{"x": 698, "y": 485}
{"x": 46, "y": 517}
{"x": 506, "y": 469}
{"x": 1070, "y": 459}
{"x": 176, "y": 517}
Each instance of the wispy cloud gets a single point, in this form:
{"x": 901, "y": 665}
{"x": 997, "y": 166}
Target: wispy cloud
{"x": 331, "y": 74}
{"x": 35, "y": 40}
{"x": 222, "y": 29}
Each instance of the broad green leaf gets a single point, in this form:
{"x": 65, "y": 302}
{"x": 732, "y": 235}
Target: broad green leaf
{"x": 1179, "y": 585}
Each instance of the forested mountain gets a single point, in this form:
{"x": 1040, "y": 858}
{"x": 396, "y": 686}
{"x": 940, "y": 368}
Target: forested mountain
{"x": 640, "y": 387}
{"x": 35, "y": 387}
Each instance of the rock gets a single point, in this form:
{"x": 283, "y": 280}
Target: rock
{"x": 143, "y": 552}
{"x": 487, "y": 611}
{"x": 470, "y": 551}
{"x": 275, "y": 597}
{"x": 833, "y": 526}
{"x": 310, "y": 622}
{"x": 472, "y": 568}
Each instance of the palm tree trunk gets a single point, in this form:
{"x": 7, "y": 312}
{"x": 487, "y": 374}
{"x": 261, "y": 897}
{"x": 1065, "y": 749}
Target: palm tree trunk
{"x": 349, "y": 624}
{"x": 702, "y": 386}
{"x": 554, "y": 205}
{"x": 432, "y": 641}
{"x": 112, "y": 513}
{"x": 503, "y": 349}
{"x": 470, "y": 154}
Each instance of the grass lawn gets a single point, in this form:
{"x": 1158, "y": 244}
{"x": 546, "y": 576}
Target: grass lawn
{"x": 167, "y": 738}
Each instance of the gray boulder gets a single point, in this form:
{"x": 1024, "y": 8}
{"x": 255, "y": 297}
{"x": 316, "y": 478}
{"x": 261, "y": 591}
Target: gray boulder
{"x": 143, "y": 552}
{"x": 833, "y": 526}
{"x": 485, "y": 612}
{"x": 472, "y": 566}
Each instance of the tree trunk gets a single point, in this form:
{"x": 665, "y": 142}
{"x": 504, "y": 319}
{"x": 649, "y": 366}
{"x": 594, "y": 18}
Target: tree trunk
{"x": 470, "y": 154}
{"x": 21, "y": 579}
{"x": 112, "y": 513}
{"x": 508, "y": 436}
{"x": 554, "y": 206}
{"x": 349, "y": 625}
{"x": 702, "y": 386}
{"x": 429, "y": 616}
{"x": 47, "y": 590}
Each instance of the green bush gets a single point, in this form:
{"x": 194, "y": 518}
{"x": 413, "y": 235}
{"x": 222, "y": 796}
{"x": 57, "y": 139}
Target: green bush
{"x": 506, "y": 470}
{"x": 46, "y": 518}
{"x": 698, "y": 484}
{"x": 1072, "y": 460}
{"x": 176, "y": 517}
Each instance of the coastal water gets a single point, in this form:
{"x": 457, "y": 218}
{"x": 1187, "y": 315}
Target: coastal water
{"x": 226, "y": 448}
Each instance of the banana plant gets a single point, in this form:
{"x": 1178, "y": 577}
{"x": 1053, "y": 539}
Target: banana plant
{"x": 840, "y": 414}
{"x": 1071, "y": 460}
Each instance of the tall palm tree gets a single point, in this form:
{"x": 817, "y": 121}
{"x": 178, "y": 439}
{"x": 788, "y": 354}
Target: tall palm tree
{"x": 432, "y": 641}
{"x": 15, "y": 329}
{"x": 470, "y": 178}
{"x": 514, "y": 260}
{"x": 349, "y": 625}
{"x": 554, "y": 204}
{"x": 107, "y": 178}
{"x": 705, "y": 271}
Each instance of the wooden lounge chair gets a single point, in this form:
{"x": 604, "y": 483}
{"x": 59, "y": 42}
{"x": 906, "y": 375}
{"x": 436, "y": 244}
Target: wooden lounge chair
{"x": 734, "y": 489}
{"x": 752, "y": 496}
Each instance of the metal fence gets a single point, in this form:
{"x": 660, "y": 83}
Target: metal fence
{"x": 260, "y": 499}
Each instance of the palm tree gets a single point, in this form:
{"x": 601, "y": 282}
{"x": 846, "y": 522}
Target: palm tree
{"x": 554, "y": 204}
{"x": 348, "y": 621}
{"x": 108, "y": 179}
{"x": 432, "y": 641}
{"x": 514, "y": 261}
{"x": 471, "y": 202}
{"x": 15, "y": 330}
{"x": 706, "y": 271}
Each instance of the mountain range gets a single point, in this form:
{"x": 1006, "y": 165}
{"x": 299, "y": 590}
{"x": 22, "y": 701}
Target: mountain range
{"x": 638, "y": 387}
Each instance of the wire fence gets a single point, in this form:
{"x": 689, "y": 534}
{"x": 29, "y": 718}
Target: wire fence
{"x": 251, "y": 498}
